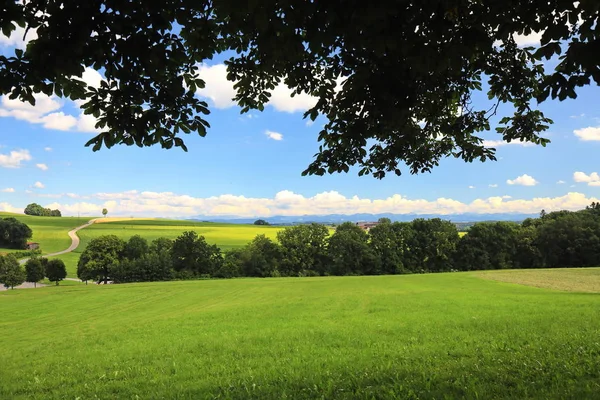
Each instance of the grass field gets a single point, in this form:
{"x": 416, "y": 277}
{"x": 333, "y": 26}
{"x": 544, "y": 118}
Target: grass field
{"x": 577, "y": 279}
{"x": 406, "y": 337}
{"x": 226, "y": 236}
{"x": 49, "y": 232}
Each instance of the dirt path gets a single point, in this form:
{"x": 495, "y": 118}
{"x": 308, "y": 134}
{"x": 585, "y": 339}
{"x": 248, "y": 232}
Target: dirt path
{"x": 74, "y": 244}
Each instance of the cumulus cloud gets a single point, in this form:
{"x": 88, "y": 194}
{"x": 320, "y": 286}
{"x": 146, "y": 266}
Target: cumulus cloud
{"x": 14, "y": 158}
{"x": 471, "y": 187}
{"x": 588, "y": 134}
{"x": 47, "y": 148}
{"x": 221, "y": 91}
{"x": 8, "y": 190}
{"x": 493, "y": 185}
{"x": 274, "y": 135}
{"x": 523, "y": 180}
{"x": 533, "y": 39}
{"x": 500, "y": 143}
{"x": 18, "y": 38}
{"x": 288, "y": 203}
{"x": 9, "y": 208}
{"x": 47, "y": 110}
{"x": 43, "y": 167}
{"x": 592, "y": 179}
{"x": 39, "y": 185}
{"x": 561, "y": 182}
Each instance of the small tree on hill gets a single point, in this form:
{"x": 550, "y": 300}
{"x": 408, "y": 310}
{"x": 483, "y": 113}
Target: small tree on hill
{"x": 261, "y": 222}
{"x": 11, "y": 273}
{"x": 104, "y": 212}
{"x": 56, "y": 270}
{"x": 34, "y": 271}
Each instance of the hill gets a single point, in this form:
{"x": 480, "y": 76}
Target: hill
{"x": 49, "y": 232}
{"x": 418, "y": 336}
{"x": 226, "y": 236}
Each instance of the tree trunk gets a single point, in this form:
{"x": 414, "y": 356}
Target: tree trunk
{"x": 34, "y": 285}
{"x": 56, "y": 283}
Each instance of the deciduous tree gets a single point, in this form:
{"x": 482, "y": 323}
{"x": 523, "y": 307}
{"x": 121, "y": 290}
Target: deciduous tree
{"x": 56, "y": 270}
{"x": 101, "y": 255}
{"x": 394, "y": 80}
{"x": 11, "y": 272}
{"x": 34, "y": 270}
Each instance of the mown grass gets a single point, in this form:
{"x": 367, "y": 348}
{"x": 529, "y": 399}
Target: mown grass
{"x": 418, "y": 336}
{"x": 50, "y": 232}
{"x": 572, "y": 280}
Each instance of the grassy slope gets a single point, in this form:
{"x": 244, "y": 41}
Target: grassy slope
{"x": 226, "y": 236}
{"x": 50, "y": 232}
{"x": 426, "y": 336}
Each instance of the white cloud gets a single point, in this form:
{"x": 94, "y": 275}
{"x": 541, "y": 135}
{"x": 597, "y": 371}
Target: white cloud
{"x": 500, "y": 143}
{"x": 47, "y": 148}
{"x": 17, "y": 39}
{"x": 92, "y": 77}
{"x": 532, "y": 39}
{"x": 9, "y": 208}
{"x": 168, "y": 204}
{"x": 471, "y": 187}
{"x": 221, "y": 91}
{"x": 59, "y": 121}
{"x": 274, "y": 135}
{"x": 8, "y": 190}
{"x": 46, "y": 112}
{"x": 494, "y": 185}
{"x": 39, "y": 185}
{"x": 561, "y": 182}
{"x": 43, "y": 167}
{"x": 588, "y": 134}
{"x": 14, "y": 158}
{"x": 523, "y": 180}
{"x": 592, "y": 179}
{"x": 218, "y": 89}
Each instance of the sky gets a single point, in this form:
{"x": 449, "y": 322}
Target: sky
{"x": 250, "y": 165}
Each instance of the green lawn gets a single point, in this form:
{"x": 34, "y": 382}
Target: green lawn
{"x": 419, "y": 336}
{"x": 49, "y": 232}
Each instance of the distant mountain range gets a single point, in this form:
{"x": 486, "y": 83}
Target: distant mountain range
{"x": 339, "y": 218}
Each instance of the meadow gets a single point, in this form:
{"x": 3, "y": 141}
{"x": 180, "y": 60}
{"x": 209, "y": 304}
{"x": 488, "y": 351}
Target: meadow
{"x": 451, "y": 335}
{"x": 50, "y": 232}
{"x": 226, "y": 236}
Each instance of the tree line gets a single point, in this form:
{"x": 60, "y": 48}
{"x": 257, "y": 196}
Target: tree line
{"x": 14, "y": 234}
{"x": 557, "y": 239}
{"x": 36, "y": 269}
{"x": 39, "y": 211}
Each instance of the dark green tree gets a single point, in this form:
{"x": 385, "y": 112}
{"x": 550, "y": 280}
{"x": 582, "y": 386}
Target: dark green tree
{"x": 350, "y": 253}
{"x": 11, "y": 272}
{"x": 191, "y": 255}
{"x": 56, "y": 270}
{"x": 571, "y": 240}
{"x": 261, "y": 222}
{"x": 100, "y": 257}
{"x": 34, "y": 271}
{"x": 261, "y": 258}
{"x": 389, "y": 242}
{"x": 432, "y": 245}
{"x": 14, "y": 233}
{"x": 135, "y": 247}
{"x": 304, "y": 248}
{"x": 488, "y": 245}
{"x": 401, "y": 73}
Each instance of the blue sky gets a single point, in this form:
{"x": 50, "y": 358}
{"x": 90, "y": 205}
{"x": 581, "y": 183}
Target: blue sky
{"x": 251, "y": 164}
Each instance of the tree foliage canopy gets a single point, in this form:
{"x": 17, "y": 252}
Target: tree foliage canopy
{"x": 395, "y": 80}
{"x": 14, "y": 233}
